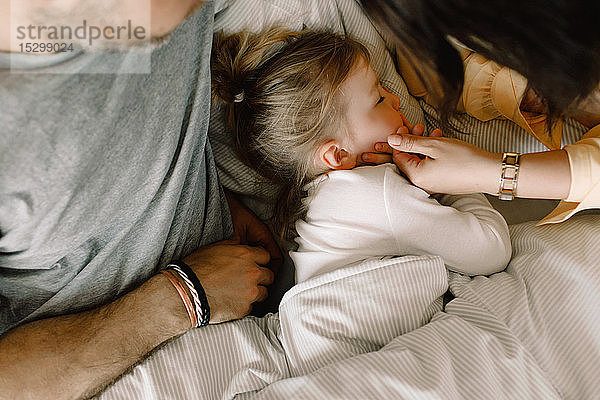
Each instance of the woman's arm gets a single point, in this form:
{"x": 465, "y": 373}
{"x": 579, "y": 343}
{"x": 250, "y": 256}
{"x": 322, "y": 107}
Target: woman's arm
{"x": 456, "y": 167}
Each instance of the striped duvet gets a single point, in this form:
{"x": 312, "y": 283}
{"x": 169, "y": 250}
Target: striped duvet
{"x": 377, "y": 330}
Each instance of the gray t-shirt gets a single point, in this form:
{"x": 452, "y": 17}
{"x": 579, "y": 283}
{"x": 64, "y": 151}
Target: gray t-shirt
{"x": 104, "y": 178}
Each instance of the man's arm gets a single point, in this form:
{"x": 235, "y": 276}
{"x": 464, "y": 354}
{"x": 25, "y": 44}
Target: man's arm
{"x": 73, "y": 356}
{"x": 76, "y": 355}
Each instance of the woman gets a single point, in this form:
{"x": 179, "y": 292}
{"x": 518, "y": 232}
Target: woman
{"x": 554, "y": 44}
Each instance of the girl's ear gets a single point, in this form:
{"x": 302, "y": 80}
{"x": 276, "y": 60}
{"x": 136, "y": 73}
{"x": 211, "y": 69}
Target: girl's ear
{"x": 333, "y": 156}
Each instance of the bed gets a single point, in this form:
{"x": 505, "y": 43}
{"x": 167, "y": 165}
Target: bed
{"x": 380, "y": 329}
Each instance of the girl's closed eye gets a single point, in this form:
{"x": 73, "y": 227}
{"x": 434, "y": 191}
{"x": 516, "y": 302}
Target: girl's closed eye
{"x": 381, "y": 99}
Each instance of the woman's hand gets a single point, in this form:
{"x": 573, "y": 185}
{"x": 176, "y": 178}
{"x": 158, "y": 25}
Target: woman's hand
{"x": 383, "y": 152}
{"x": 444, "y": 165}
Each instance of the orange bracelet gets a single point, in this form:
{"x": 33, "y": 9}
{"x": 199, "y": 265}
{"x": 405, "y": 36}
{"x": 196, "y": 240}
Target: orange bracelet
{"x": 187, "y": 302}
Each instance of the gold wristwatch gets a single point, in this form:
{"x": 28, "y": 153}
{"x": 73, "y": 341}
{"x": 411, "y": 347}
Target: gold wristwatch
{"x": 509, "y": 176}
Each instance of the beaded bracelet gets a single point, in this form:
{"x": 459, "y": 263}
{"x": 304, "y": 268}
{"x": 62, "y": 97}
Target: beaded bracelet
{"x": 195, "y": 290}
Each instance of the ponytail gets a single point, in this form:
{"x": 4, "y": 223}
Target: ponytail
{"x": 236, "y": 57}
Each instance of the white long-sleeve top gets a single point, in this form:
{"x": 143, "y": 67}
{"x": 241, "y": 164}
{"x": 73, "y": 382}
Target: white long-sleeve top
{"x": 374, "y": 211}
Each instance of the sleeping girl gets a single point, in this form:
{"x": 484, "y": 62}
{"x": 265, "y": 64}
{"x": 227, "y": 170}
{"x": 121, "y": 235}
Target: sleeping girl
{"x": 303, "y": 107}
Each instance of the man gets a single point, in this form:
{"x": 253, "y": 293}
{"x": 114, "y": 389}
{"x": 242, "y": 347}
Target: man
{"x": 106, "y": 175}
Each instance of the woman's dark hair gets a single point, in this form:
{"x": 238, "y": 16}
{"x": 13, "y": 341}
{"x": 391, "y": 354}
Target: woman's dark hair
{"x": 282, "y": 101}
{"x": 555, "y": 44}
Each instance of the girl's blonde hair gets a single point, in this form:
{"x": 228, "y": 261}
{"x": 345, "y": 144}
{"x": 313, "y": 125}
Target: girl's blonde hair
{"x": 281, "y": 90}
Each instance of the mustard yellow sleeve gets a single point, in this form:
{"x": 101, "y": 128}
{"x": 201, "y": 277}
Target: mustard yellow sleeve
{"x": 490, "y": 90}
{"x": 494, "y": 91}
{"x": 584, "y": 163}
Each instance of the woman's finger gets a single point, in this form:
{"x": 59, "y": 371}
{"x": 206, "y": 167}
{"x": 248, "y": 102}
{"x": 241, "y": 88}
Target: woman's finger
{"x": 413, "y": 144}
{"x": 402, "y": 130}
{"x": 383, "y": 147}
{"x": 418, "y": 129}
{"x": 377, "y": 158}
{"x": 406, "y": 122}
{"x": 407, "y": 162}
{"x": 436, "y": 133}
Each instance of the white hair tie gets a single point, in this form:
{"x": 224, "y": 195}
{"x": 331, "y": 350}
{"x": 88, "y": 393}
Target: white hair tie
{"x": 238, "y": 98}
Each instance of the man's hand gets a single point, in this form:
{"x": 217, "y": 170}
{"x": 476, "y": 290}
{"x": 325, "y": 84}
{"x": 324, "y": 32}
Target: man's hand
{"x": 232, "y": 276}
{"x": 74, "y": 356}
{"x": 249, "y": 229}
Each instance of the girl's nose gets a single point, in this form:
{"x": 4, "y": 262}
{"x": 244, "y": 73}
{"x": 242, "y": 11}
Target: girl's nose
{"x": 395, "y": 99}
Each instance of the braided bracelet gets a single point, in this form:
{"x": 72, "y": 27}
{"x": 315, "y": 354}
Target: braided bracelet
{"x": 195, "y": 289}
{"x": 183, "y": 294}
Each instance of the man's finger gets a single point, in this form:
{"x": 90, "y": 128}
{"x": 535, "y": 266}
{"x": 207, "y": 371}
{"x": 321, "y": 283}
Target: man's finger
{"x": 266, "y": 276}
{"x": 258, "y": 254}
{"x": 266, "y": 240}
{"x": 263, "y": 293}
{"x": 412, "y": 144}
{"x": 276, "y": 263}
